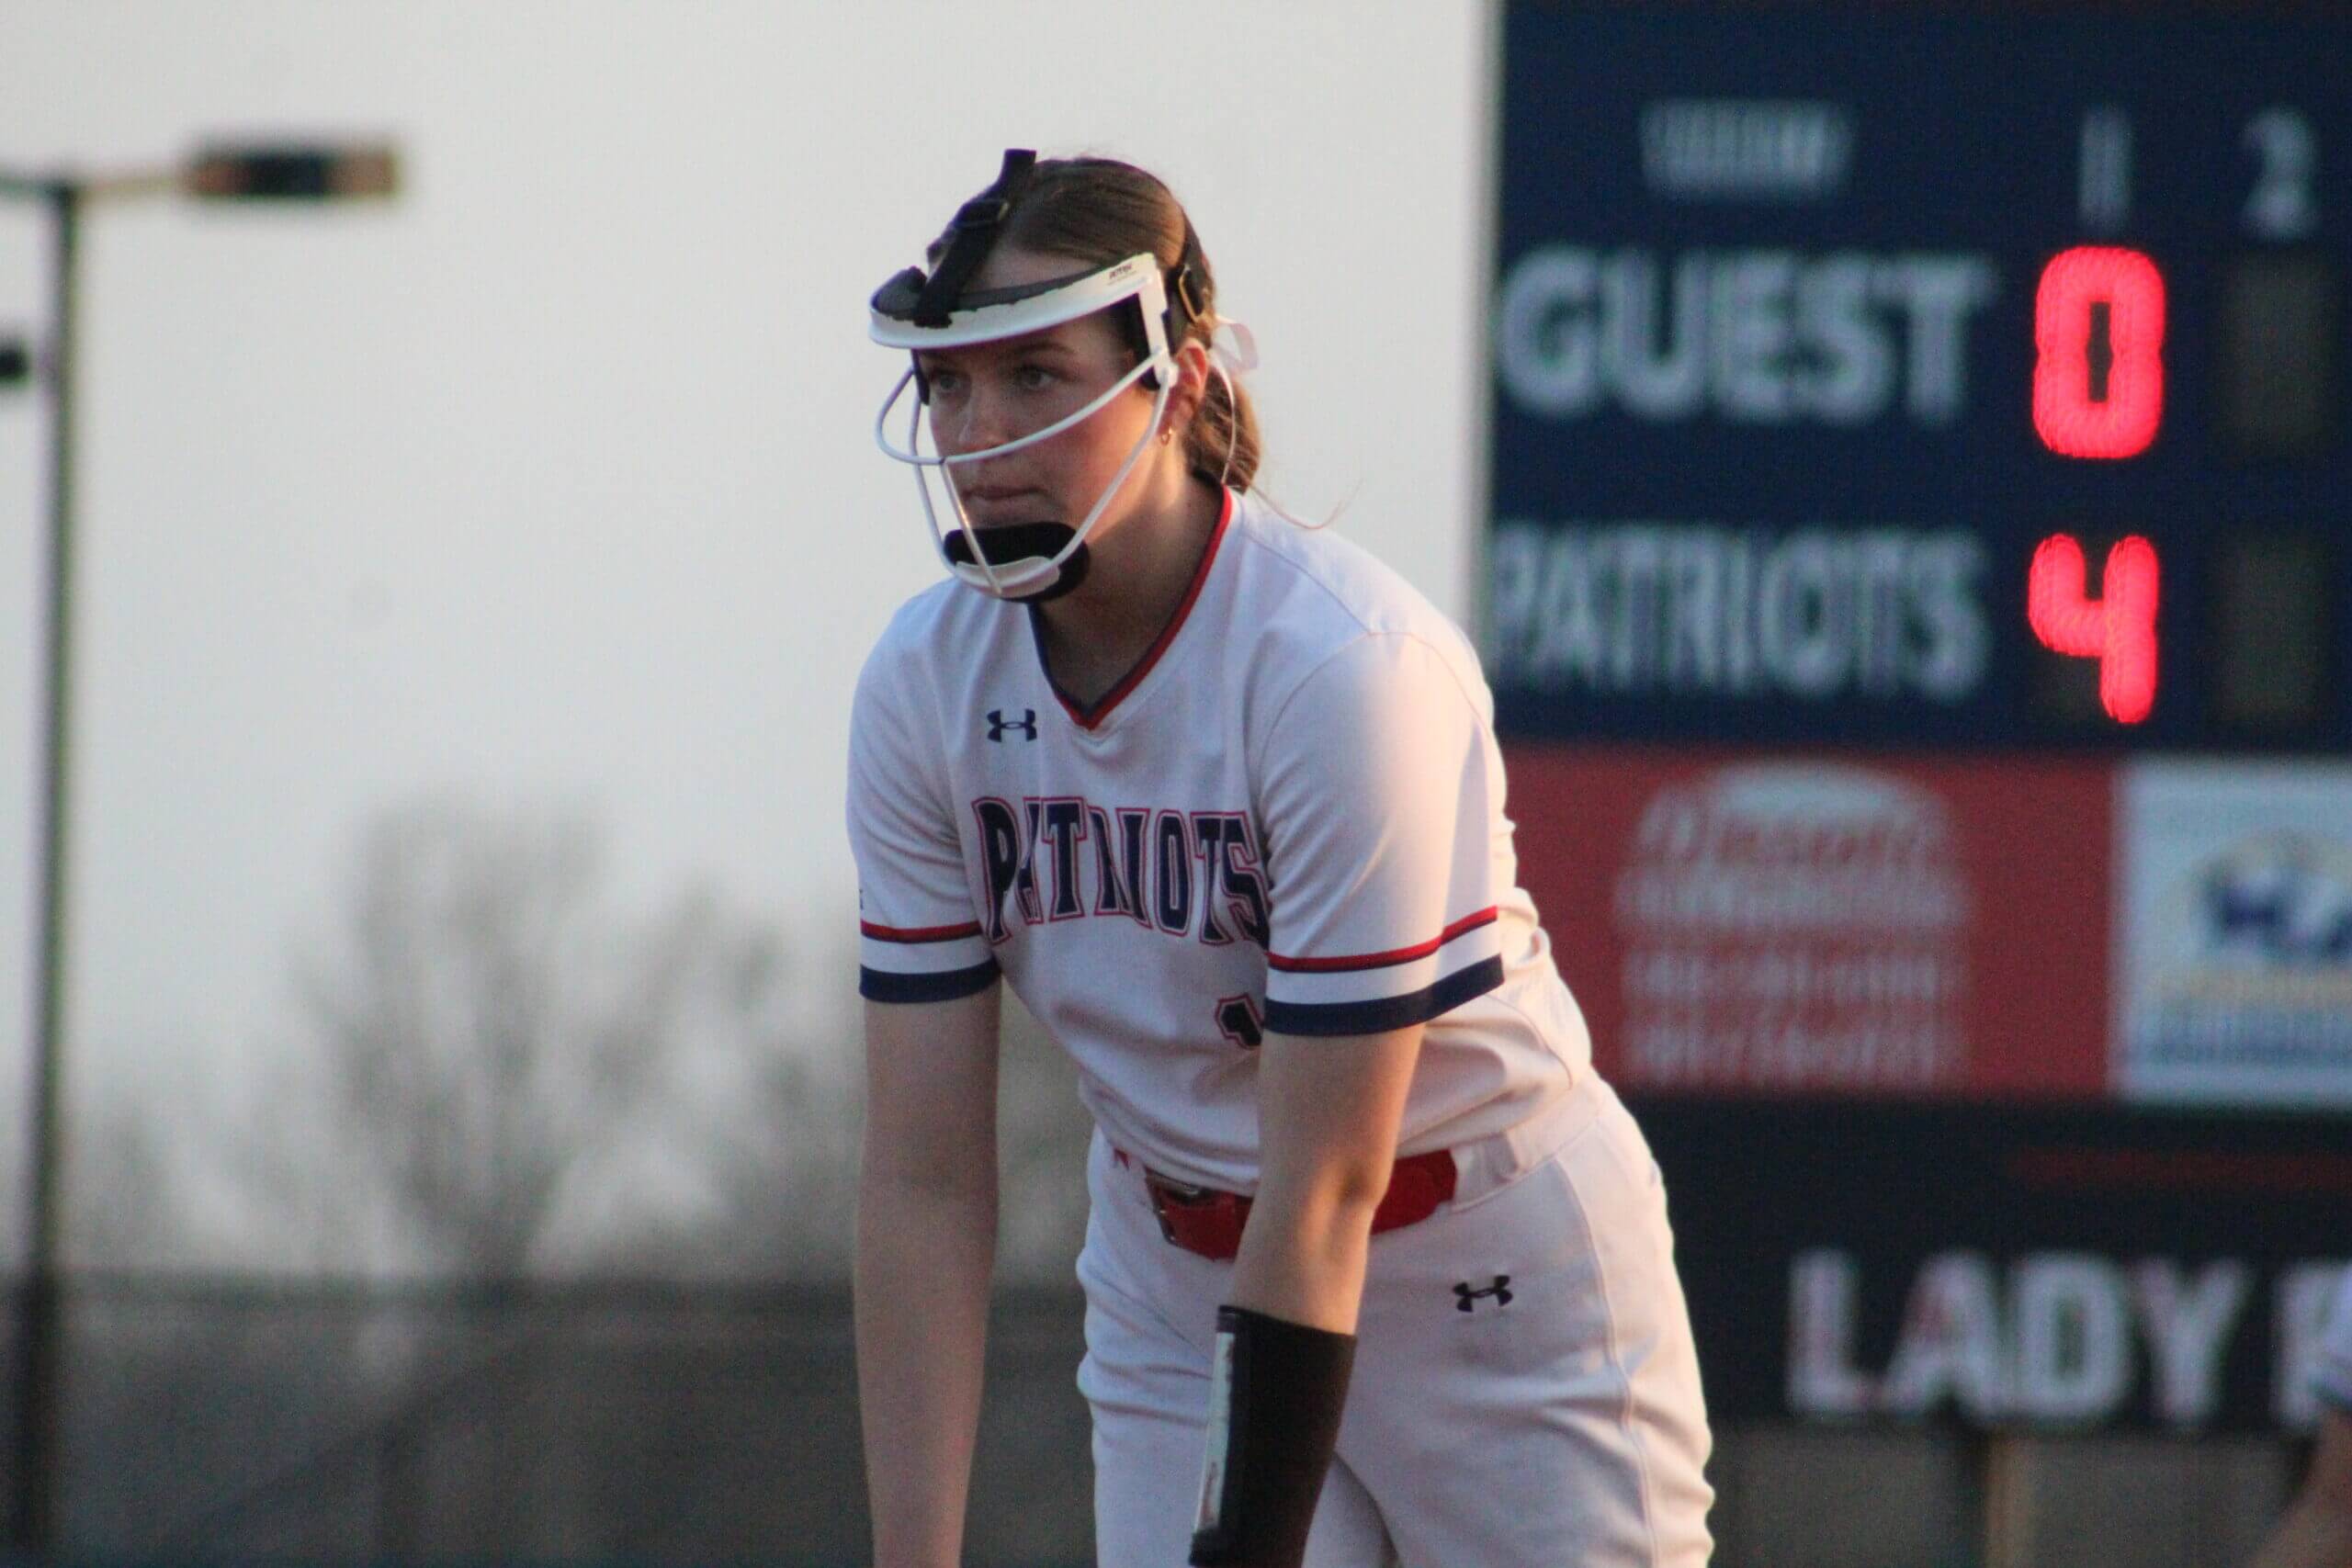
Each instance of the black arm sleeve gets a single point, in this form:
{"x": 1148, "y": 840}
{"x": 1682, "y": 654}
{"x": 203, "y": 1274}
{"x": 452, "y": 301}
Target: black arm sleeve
{"x": 1276, "y": 1392}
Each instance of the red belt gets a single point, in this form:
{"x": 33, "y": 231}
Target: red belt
{"x": 1204, "y": 1220}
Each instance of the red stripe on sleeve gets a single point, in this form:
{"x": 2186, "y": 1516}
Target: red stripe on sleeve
{"x": 1382, "y": 960}
{"x": 917, "y": 933}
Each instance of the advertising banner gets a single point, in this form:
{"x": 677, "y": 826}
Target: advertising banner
{"x": 2234, "y": 959}
{"x": 1898, "y": 927}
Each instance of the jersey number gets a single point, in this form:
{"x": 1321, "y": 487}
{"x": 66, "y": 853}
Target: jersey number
{"x": 1237, "y": 1020}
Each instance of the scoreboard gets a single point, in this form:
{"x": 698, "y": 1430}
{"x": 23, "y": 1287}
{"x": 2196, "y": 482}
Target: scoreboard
{"x": 1918, "y": 602}
{"x": 1949, "y": 379}
{"x": 1920, "y": 544}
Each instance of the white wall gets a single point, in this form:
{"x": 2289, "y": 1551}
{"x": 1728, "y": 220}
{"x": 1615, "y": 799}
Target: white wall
{"x": 553, "y": 479}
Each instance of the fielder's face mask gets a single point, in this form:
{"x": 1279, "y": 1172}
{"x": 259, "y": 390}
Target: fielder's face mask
{"x": 1030, "y": 561}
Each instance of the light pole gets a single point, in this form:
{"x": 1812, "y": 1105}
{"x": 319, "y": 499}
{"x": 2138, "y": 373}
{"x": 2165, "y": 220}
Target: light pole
{"x": 244, "y": 171}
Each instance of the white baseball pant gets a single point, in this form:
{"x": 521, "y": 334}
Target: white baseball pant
{"x": 1525, "y": 1392}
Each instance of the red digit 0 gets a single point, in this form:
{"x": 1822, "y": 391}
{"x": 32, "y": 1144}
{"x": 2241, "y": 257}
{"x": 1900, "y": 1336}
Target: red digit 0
{"x": 2118, "y": 629}
{"x": 2098, "y": 377}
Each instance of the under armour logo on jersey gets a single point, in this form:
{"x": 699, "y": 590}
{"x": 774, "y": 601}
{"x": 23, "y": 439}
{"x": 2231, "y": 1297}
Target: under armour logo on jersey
{"x": 1500, "y": 1290}
{"x": 999, "y": 724}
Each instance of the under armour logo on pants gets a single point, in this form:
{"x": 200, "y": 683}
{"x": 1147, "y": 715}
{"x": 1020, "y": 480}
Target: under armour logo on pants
{"x": 1499, "y": 1290}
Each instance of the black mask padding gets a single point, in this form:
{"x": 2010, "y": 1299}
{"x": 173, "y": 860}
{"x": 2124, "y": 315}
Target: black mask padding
{"x": 1016, "y": 541}
{"x": 972, "y": 233}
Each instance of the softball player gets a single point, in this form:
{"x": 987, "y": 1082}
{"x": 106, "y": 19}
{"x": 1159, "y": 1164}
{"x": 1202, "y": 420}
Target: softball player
{"x": 1218, "y": 796}
{"x": 2316, "y": 1529}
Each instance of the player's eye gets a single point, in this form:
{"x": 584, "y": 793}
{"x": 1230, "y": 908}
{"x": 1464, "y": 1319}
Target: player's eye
{"x": 940, "y": 380}
{"x": 1033, "y": 377}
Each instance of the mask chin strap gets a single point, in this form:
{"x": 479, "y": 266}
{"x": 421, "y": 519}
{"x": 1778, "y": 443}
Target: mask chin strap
{"x": 1233, "y": 352}
{"x": 1028, "y": 545}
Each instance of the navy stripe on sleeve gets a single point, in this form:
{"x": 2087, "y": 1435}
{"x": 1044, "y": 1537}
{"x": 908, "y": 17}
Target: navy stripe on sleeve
{"x": 883, "y": 985}
{"x": 1387, "y": 1013}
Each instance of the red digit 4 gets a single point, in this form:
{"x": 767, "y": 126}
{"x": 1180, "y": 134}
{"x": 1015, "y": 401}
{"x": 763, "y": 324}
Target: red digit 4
{"x": 2118, "y": 629}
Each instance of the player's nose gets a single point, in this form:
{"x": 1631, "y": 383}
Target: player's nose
{"x": 983, "y": 419}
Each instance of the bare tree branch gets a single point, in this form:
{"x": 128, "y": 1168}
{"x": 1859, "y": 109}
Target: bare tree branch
{"x": 493, "y": 1048}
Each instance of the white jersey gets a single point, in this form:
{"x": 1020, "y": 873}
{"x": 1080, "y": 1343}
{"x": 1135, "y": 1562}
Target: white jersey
{"x": 1288, "y": 817}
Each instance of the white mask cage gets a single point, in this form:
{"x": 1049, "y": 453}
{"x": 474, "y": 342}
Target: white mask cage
{"x": 990, "y": 316}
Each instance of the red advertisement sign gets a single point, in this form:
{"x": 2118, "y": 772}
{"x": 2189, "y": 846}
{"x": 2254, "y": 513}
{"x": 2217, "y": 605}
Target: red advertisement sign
{"x": 1886, "y": 926}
